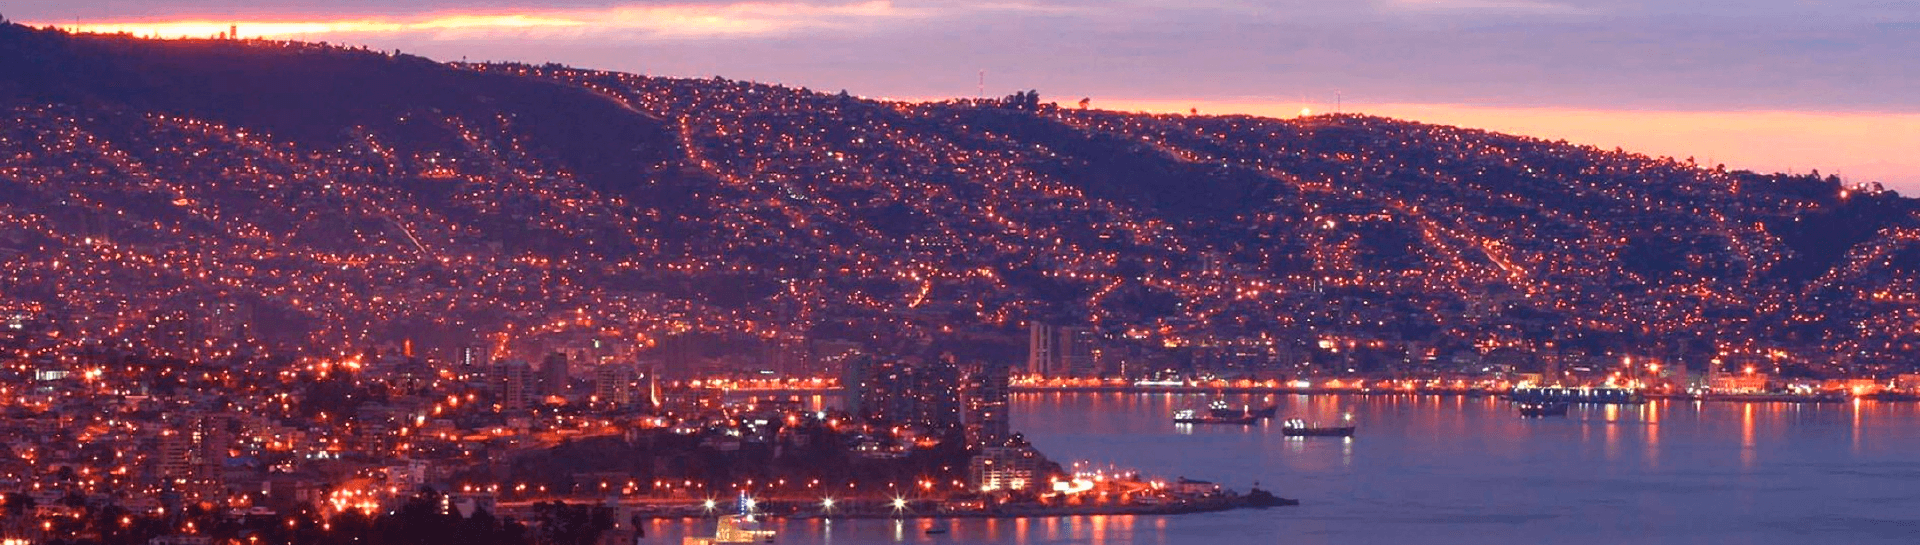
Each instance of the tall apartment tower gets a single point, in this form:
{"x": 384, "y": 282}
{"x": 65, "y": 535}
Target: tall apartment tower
{"x": 193, "y": 454}
{"x": 1062, "y": 351}
{"x": 473, "y": 358}
{"x": 856, "y": 378}
{"x": 935, "y": 393}
{"x": 1040, "y": 344}
{"x": 1552, "y": 358}
{"x": 986, "y": 405}
{"x": 1076, "y": 352}
{"x": 897, "y": 391}
{"x": 554, "y": 374}
{"x": 615, "y": 385}
{"x": 513, "y": 386}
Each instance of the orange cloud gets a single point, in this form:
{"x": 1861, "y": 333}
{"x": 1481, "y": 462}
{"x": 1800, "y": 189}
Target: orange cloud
{"x": 659, "y": 21}
{"x": 1861, "y": 147}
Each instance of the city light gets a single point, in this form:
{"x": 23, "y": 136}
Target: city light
{"x": 529, "y": 289}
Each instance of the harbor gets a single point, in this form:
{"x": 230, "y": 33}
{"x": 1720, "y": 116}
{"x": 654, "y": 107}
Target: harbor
{"x": 1451, "y": 469}
{"x": 1505, "y": 390}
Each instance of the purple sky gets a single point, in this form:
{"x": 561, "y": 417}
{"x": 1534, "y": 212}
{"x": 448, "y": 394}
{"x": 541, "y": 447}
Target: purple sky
{"x": 1846, "y": 63}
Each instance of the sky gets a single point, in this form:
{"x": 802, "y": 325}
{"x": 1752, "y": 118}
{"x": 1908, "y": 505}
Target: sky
{"x": 1771, "y": 85}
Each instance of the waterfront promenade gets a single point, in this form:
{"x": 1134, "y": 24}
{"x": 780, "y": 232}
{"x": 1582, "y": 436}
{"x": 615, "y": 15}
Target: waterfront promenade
{"x": 923, "y": 508}
{"x": 1263, "y": 388}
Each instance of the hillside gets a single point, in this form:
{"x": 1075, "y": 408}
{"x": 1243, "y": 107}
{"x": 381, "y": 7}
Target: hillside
{"x": 202, "y": 198}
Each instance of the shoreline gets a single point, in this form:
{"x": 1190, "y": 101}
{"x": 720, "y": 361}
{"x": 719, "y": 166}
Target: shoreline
{"x": 1440, "y": 392}
{"x": 1224, "y": 504}
{"x": 1254, "y": 499}
{"x": 1470, "y": 393}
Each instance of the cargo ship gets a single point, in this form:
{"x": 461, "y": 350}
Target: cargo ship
{"x": 1300, "y": 428}
{"x": 1597, "y": 396}
{"x": 1220, "y": 409}
{"x": 1190, "y": 416}
{"x": 1543, "y": 409}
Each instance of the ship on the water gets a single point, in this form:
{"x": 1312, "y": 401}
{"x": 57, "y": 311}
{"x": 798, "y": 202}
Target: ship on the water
{"x": 1300, "y": 428}
{"x": 734, "y": 529}
{"x": 1544, "y": 409}
{"x": 743, "y": 527}
{"x": 1191, "y": 416}
{"x": 1556, "y": 394}
{"x": 1220, "y": 409}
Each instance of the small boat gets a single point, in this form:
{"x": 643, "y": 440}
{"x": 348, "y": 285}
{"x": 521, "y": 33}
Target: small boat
{"x": 1300, "y": 428}
{"x": 936, "y": 530}
{"x": 1543, "y": 409}
{"x": 1190, "y": 416}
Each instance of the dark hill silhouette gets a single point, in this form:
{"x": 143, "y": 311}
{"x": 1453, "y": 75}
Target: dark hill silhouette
{"x": 318, "y": 96}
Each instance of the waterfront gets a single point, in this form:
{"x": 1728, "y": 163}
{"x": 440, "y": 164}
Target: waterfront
{"x": 1433, "y": 469}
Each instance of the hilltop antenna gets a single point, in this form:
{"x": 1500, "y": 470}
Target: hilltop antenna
{"x": 983, "y": 85}
{"x": 1336, "y": 103}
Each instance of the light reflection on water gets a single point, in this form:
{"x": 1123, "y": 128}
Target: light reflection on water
{"x": 1428, "y": 469}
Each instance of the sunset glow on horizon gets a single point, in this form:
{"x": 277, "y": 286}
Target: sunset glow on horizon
{"x": 657, "y": 21}
{"x": 1782, "y": 87}
{"x": 1859, "y": 147}
{"x": 1002, "y": 272}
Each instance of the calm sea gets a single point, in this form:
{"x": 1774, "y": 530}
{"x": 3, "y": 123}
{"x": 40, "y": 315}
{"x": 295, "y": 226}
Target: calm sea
{"x": 1428, "y": 469}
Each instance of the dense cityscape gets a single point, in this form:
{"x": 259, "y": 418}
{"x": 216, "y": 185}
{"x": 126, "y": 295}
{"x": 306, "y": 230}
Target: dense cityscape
{"x": 245, "y": 298}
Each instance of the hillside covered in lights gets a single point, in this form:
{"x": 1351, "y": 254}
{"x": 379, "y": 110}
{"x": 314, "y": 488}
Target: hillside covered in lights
{"x": 204, "y": 199}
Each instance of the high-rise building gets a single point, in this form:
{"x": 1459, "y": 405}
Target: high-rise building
{"x": 473, "y": 358}
{"x": 1011, "y": 465}
{"x": 901, "y": 392}
{"x": 856, "y": 374}
{"x": 178, "y": 457}
{"x": 1076, "y": 352}
{"x": 934, "y": 394}
{"x": 986, "y": 405}
{"x": 1062, "y": 351}
{"x": 883, "y": 390}
{"x": 217, "y": 432}
{"x": 554, "y": 374}
{"x": 513, "y": 386}
{"x": 787, "y": 356}
{"x": 1040, "y": 344}
{"x": 1552, "y": 358}
{"x": 193, "y": 454}
{"x": 615, "y": 385}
